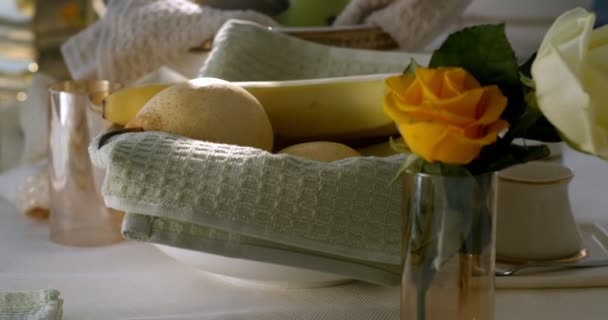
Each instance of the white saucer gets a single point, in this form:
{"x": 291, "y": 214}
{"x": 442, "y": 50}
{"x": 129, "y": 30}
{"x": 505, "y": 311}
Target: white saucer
{"x": 595, "y": 240}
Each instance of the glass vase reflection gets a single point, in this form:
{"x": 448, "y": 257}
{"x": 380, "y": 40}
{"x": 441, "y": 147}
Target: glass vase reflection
{"x": 448, "y": 247}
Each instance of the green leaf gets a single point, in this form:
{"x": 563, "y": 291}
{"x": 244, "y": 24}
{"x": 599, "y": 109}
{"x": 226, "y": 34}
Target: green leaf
{"x": 526, "y": 68}
{"x": 411, "y": 68}
{"x": 409, "y": 161}
{"x": 486, "y": 53}
{"x": 542, "y": 130}
{"x": 444, "y": 169}
{"x": 527, "y": 81}
{"x": 537, "y": 125}
{"x": 399, "y": 145}
{"x": 498, "y": 156}
{"x": 532, "y": 124}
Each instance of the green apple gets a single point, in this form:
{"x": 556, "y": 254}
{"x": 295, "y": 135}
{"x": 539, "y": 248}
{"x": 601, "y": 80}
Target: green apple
{"x": 307, "y": 13}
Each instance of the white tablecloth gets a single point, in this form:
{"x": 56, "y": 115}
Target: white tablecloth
{"x": 136, "y": 281}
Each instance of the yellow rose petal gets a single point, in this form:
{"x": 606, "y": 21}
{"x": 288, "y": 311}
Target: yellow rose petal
{"x": 444, "y": 115}
{"x": 399, "y": 84}
{"x": 484, "y": 134}
{"x": 480, "y": 106}
{"x": 458, "y": 111}
{"x": 458, "y": 80}
{"x": 493, "y": 104}
{"x": 464, "y": 105}
{"x": 434, "y": 142}
{"x": 431, "y": 81}
{"x": 392, "y": 109}
{"x": 414, "y": 94}
{"x": 453, "y": 149}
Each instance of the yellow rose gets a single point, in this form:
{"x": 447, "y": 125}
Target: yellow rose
{"x": 571, "y": 76}
{"x": 445, "y": 114}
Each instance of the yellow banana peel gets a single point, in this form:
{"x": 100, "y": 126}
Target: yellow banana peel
{"x": 121, "y": 106}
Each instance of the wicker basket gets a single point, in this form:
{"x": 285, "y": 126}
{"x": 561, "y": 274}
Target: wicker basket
{"x": 357, "y": 37}
{"x": 360, "y": 37}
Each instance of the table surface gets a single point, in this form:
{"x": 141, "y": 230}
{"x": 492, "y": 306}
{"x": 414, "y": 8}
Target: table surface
{"x": 136, "y": 281}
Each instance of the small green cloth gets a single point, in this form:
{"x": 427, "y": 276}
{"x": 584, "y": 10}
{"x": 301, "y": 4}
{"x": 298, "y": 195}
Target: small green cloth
{"x": 31, "y": 305}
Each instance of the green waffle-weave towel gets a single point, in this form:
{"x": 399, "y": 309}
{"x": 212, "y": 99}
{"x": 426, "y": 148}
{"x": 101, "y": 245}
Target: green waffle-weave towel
{"x": 246, "y": 51}
{"x": 341, "y": 217}
{"x": 31, "y": 305}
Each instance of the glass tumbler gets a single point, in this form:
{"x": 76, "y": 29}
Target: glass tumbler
{"x": 78, "y": 216}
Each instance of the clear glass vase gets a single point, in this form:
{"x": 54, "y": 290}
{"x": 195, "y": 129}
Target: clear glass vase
{"x": 448, "y": 247}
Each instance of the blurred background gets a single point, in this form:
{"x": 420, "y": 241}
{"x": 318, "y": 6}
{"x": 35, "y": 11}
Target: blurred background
{"x": 31, "y": 32}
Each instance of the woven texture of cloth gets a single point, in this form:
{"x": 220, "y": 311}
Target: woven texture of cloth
{"x": 31, "y": 305}
{"x": 136, "y": 37}
{"x": 229, "y": 196}
{"x": 412, "y": 23}
{"x": 245, "y": 51}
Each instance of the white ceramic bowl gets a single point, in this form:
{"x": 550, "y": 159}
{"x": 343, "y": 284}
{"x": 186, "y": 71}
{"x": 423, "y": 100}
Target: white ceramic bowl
{"x": 253, "y": 273}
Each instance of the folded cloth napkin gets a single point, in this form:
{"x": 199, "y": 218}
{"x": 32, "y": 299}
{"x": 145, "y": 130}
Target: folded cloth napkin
{"x": 136, "y": 37}
{"x": 192, "y": 236}
{"x": 246, "y": 51}
{"x": 31, "y": 305}
{"x": 412, "y": 23}
{"x": 341, "y": 217}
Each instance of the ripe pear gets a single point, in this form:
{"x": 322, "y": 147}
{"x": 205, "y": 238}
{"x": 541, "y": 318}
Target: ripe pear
{"x": 325, "y": 151}
{"x": 207, "y": 109}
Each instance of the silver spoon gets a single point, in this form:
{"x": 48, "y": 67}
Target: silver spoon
{"x": 509, "y": 271}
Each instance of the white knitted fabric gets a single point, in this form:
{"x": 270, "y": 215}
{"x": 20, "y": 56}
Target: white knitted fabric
{"x": 136, "y": 37}
{"x": 31, "y": 305}
{"x": 357, "y": 10}
{"x": 412, "y": 23}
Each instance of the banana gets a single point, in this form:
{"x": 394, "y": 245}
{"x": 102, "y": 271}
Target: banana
{"x": 121, "y": 106}
{"x": 344, "y": 108}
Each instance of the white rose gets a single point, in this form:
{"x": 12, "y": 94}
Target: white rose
{"x": 571, "y": 76}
